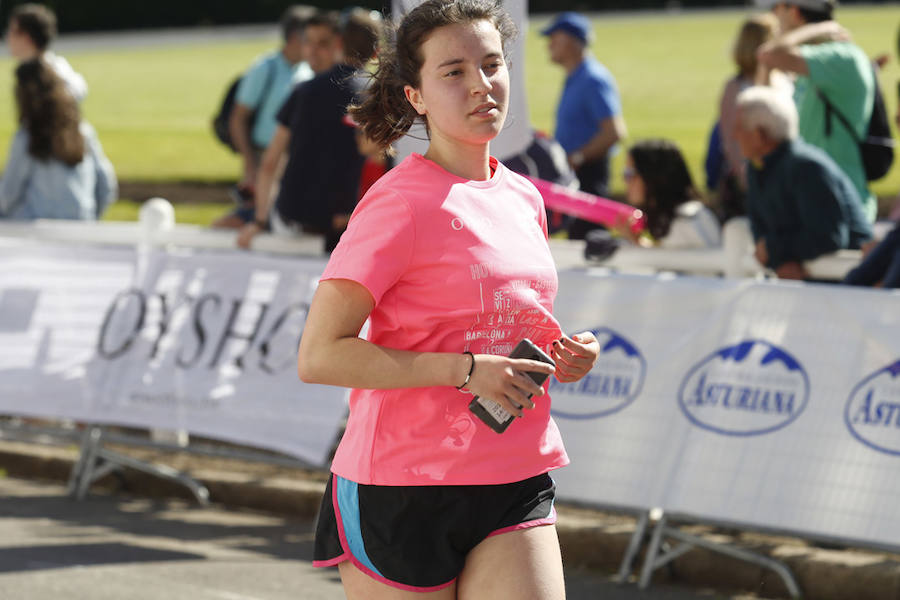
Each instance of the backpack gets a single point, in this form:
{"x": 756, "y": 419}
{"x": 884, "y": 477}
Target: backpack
{"x": 220, "y": 121}
{"x": 546, "y": 159}
{"x": 877, "y": 148}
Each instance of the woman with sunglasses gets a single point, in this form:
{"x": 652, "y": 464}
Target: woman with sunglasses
{"x": 658, "y": 182}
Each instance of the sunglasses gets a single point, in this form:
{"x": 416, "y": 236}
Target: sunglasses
{"x": 629, "y": 173}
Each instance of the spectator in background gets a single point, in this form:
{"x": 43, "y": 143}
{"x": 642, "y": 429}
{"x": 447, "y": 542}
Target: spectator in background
{"x": 377, "y": 159}
{"x": 830, "y": 67}
{"x": 56, "y": 167}
{"x": 881, "y": 265}
{"x": 732, "y": 185}
{"x": 32, "y": 28}
{"x": 589, "y": 118}
{"x": 321, "y": 179}
{"x": 545, "y": 159}
{"x": 260, "y": 94}
{"x": 801, "y": 205}
{"x": 658, "y": 182}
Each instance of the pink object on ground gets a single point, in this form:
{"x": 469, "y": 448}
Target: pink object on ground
{"x": 589, "y": 207}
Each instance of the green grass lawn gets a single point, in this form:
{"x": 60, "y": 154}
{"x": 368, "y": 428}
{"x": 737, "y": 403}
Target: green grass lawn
{"x": 189, "y": 214}
{"x": 152, "y": 106}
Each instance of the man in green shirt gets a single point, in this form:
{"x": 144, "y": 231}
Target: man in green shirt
{"x": 817, "y": 49}
{"x": 801, "y": 205}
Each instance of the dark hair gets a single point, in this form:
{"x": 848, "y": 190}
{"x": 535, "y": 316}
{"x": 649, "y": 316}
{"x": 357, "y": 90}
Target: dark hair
{"x": 360, "y": 32}
{"x": 326, "y": 18}
{"x": 37, "y": 22}
{"x": 49, "y": 113}
{"x": 667, "y": 181}
{"x": 295, "y": 18}
{"x": 815, "y": 16}
{"x": 385, "y": 114}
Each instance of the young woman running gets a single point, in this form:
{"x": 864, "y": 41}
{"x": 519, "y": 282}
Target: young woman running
{"x": 447, "y": 257}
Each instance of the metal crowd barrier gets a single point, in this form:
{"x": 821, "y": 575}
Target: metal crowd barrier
{"x": 156, "y": 227}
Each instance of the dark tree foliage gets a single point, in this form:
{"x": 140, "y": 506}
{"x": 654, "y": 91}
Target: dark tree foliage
{"x": 95, "y": 15}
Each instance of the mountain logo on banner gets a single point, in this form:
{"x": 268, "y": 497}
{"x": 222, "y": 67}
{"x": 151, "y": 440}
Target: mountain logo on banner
{"x": 873, "y": 410}
{"x": 613, "y": 383}
{"x": 750, "y": 388}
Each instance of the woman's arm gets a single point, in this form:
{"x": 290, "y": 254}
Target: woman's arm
{"x": 271, "y": 165}
{"x": 16, "y": 174}
{"x": 332, "y": 353}
{"x": 727, "y": 116}
{"x": 106, "y": 188}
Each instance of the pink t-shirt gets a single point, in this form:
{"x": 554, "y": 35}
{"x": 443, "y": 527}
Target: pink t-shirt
{"x": 453, "y": 265}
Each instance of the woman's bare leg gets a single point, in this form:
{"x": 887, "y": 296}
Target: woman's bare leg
{"x": 523, "y": 564}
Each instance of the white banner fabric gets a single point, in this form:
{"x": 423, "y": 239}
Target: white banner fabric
{"x": 770, "y": 405}
{"x": 199, "y": 341}
{"x": 760, "y": 404}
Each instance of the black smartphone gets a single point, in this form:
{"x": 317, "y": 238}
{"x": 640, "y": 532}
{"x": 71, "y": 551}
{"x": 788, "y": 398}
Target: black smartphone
{"x": 495, "y": 416}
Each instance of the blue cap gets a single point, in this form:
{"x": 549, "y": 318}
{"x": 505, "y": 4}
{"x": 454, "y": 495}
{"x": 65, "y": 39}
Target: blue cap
{"x": 572, "y": 23}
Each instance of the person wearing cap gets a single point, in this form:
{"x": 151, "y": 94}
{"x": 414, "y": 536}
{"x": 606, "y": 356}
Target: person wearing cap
{"x": 828, "y": 66}
{"x": 589, "y": 118}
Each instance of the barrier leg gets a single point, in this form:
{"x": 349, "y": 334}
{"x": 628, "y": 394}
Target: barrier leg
{"x": 201, "y": 494}
{"x": 655, "y": 559}
{"x": 652, "y": 550}
{"x": 634, "y": 545}
{"x": 78, "y": 467}
{"x": 89, "y": 451}
{"x": 96, "y": 461}
{"x": 746, "y": 555}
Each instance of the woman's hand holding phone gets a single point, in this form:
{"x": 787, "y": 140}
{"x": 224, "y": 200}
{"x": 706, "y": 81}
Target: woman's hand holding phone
{"x": 505, "y": 380}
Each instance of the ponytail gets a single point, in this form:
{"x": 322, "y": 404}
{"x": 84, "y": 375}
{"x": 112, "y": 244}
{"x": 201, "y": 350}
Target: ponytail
{"x": 385, "y": 115}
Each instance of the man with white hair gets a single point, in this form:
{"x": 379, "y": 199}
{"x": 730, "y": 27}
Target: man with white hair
{"x": 801, "y": 205}
{"x": 835, "y": 86}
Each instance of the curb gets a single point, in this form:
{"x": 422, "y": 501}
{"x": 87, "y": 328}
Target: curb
{"x": 589, "y": 539}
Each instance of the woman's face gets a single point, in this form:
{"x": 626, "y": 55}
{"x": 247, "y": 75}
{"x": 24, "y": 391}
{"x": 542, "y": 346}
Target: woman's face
{"x": 19, "y": 43}
{"x": 635, "y": 191}
{"x": 464, "y": 84}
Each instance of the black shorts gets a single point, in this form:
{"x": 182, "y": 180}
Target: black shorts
{"x": 417, "y": 537}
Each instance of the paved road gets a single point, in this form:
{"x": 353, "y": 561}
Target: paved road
{"x": 117, "y": 547}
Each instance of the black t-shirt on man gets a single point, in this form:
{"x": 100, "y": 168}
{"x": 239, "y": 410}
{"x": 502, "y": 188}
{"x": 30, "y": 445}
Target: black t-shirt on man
{"x": 321, "y": 178}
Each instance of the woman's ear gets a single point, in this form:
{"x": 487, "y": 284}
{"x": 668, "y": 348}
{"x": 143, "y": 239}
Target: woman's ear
{"x": 414, "y": 97}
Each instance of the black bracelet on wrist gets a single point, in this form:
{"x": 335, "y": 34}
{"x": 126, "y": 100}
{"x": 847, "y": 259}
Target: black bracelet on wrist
{"x": 471, "y": 370}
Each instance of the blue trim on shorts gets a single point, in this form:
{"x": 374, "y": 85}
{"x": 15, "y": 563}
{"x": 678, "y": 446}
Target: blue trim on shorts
{"x": 348, "y": 504}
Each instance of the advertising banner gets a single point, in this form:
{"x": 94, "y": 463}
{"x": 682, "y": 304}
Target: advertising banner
{"x": 199, "y": 341}
{"x": 753, "y": 403}
{"x": 764, "y": 404}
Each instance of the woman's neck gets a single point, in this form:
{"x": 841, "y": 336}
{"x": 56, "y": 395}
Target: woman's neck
{"x": 466, "y": 161}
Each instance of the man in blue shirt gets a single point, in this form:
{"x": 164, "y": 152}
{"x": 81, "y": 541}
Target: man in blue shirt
{"x": 589, "y": 118}
{"x": 264, "y": 88}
